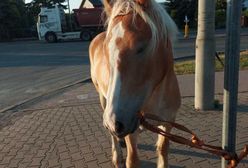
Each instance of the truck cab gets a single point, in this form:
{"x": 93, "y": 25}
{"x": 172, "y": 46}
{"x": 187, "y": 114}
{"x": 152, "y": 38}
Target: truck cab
{"x": 51, "y": 22}
{"x": 52, "y": 25}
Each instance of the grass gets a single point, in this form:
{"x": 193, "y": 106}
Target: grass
{"x": 188, "y": 66}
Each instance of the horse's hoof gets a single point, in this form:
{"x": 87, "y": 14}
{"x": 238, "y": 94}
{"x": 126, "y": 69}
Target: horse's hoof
{"x": 122, "y": 143}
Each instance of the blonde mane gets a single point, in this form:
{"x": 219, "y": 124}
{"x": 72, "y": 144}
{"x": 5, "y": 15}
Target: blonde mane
{"x": 159, "y": 21}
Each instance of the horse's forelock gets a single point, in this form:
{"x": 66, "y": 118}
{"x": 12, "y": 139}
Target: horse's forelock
{"x": 161, "y": 25}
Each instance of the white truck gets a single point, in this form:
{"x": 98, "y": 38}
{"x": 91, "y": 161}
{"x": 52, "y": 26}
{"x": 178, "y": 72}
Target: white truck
{"x": 52, "y": 25}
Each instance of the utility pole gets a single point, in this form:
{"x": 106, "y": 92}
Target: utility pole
{"x": 231, "y": 77}
{"x": 205, "y": 56}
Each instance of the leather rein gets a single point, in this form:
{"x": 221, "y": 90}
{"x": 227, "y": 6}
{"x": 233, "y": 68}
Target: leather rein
{"x": 232, "y": 158}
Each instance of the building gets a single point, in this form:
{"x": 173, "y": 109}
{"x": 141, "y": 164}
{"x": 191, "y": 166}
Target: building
{"x": 91, "y": 4}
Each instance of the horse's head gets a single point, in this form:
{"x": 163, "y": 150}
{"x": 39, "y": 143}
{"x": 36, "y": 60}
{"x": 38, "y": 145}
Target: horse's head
{"x": 135, "y": 44}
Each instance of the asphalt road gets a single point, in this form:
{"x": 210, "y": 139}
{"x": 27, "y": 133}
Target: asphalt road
{"x": 32, "y": 68}
{"x": 29, "y": 69}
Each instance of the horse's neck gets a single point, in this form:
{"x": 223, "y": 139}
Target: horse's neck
{"x": 165, "y": 99}
{"x": 99, "y": 64}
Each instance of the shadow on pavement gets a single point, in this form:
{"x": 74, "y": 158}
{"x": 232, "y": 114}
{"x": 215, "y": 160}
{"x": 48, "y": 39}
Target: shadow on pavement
{"x": 193, "y": 153}
{"x": 242, "y": 108}
{"x": 147, "y": 164}
{"x": 179, "y": 152}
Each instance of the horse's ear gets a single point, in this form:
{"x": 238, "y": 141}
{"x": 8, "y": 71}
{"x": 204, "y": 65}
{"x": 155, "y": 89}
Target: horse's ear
{"x": 143, "y": 3}
{"x": 108, "y": 4}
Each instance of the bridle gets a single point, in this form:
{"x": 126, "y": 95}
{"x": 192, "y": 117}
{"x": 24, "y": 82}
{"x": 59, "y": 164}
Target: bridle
{"x": 232, "y": 158}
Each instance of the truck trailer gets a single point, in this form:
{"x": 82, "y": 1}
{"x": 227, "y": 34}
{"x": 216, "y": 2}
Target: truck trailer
{"x": 86, "y": 22}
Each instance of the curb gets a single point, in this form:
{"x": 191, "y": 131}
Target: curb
{"x": 193, "y": 36}
{"x": 41, "y": 96}
{"x": 25, "y": 39}
{"x": 192, "y": 57}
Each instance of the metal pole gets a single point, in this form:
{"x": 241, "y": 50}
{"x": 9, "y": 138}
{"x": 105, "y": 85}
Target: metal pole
{"x": 70, "y": 23}
{"x": 205, "y": 52}
{"x": 231, "y": 76}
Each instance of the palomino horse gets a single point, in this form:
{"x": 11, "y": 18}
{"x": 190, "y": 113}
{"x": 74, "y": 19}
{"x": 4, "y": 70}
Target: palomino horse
{"x": 132, "y": 69}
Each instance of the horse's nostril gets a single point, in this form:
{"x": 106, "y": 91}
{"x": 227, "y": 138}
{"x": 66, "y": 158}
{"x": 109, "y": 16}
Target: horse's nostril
{"x": 119, "y": 127}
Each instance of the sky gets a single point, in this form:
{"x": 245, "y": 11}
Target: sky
{"x": 74, "y": 4}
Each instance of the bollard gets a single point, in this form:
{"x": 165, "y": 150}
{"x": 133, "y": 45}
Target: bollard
{"x": 186, "y": 31}
{"x": 186, "y": 27}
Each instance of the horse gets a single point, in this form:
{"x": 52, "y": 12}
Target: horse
{"x": 132, "y": 71}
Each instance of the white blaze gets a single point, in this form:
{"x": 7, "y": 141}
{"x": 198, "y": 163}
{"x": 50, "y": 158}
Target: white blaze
{"x": 115, "y": 81}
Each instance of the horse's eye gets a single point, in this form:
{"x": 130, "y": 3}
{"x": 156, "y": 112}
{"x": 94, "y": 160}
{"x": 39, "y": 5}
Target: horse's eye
{"x": 140, "y": 50}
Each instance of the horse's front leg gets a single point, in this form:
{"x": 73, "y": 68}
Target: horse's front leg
{"x": 132, "y": 160}
{"x": 162, "y": 148}
{"x": 117, "y": 157}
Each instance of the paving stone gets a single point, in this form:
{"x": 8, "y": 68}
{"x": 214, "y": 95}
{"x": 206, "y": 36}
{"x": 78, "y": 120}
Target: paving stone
{"x": 97, "y": 150}
{"x": 66, "y": 163}
{"x": 89, "y": 157}
{"x": 41, "y": 153}
{"x": 106, "y": 165}
{"x": 53, "y": 162}
{"x": 6, "y": 160}
{"x": 3, "y": 166}
{"x": 13, "y": 152}
{"x": 76, "y": 156}
{"x": 79, "y": 164}
{"x": 6, "y": 149}
{"x": 36, "y": 162}
{"x": 72, "y": 146}
{"x": 92, "y": 164}
{"x": 23, "y": 165}
{"x": 14, "y": 163}
{"x": 102, "y": 158}
{"x": 62, "y": 148}
{"x": 85, "y": 150}
{"x": 64, "y": 155}
{"x": 20, "y": 155}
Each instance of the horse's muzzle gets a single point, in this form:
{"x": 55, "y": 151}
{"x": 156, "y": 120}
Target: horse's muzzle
{"x": 120, "y": 130}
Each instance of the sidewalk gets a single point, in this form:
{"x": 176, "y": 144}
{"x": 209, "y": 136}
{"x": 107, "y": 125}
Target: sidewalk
{"x": 66, "y": 131}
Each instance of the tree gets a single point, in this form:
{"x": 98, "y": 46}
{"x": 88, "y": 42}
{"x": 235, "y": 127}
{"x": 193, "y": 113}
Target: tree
{"x": 220, "y": 17}
{"x": 180, "y": 8}
{"x": 12, "y": 18}
{"x": 221, "y": 5}
{"x": 47, "y": 3}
